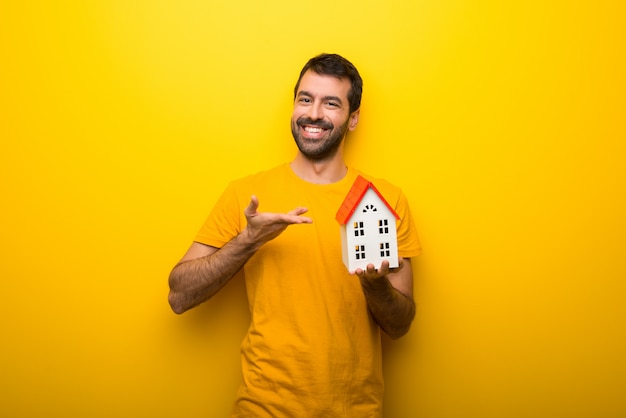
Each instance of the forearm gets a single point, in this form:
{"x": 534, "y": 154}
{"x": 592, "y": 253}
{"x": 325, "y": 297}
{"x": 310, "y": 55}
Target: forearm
{"x": 392, "y": 310}
{"x": 195, "y": 281}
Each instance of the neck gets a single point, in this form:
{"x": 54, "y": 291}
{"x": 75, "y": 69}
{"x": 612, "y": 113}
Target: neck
{"x": 319, "y": 172}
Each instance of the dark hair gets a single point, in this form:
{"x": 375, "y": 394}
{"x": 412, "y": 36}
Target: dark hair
{"x": 336, "y": 66}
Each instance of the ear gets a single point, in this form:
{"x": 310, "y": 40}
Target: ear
{"x": 354, "y": 119}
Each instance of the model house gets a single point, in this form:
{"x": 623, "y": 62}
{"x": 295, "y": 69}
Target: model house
{"x": 368, "y": 227}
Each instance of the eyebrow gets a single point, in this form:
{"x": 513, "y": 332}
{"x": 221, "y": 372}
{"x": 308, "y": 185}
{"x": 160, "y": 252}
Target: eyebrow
{"x": 331, "y": 98}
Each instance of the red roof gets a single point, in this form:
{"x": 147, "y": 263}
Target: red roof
{"x": 356, "y": 193}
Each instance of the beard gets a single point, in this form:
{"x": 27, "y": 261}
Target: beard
{"x": 318, "y": 149}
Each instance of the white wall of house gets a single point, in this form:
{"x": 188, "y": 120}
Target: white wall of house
{"x": 369, "y": 236}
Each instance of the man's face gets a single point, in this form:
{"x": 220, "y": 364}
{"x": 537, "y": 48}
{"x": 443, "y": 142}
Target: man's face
{"x": 321, "y": 115}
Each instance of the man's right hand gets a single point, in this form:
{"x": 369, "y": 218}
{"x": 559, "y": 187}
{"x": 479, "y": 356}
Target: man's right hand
{"x": 265, "y": 226}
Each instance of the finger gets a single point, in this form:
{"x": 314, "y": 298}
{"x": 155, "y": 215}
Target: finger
{"x": 295, "y": 219}
{"x": 370, "y": 269}
{"x": 252, "y": 207}
{"x": 400, "y": 265}
{"x": 383, "y": 271}
{"x": 301, "y": 219}
{"x": 298, "y": 211}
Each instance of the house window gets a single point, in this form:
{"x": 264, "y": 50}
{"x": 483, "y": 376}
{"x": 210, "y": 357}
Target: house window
{"x": 383, "y": 226}
{"x": 384, "y": 249}
{"x": 359, "y": 251}
{"x": 369, "y": 208}
{"x": 358, "y": 229}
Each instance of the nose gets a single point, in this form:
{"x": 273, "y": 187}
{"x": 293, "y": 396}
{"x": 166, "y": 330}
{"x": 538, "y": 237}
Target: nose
{"x": 315, "y": 111}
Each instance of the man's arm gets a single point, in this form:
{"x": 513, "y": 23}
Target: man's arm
{"x": 389, "y": 294}
{"x": 204, "y": 270}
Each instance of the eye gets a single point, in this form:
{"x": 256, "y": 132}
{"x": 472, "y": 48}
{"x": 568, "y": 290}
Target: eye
{"x": 304, "y": 100}
{"x": 332, "y": 104}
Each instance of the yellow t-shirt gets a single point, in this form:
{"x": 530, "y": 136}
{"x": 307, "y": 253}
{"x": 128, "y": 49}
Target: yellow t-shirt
{"x": 312, "y": 349}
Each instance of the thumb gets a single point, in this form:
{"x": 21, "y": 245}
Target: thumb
{"x": 252, "y": 207}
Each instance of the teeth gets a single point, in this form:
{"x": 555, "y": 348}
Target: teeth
{"x": 313, "y": 130}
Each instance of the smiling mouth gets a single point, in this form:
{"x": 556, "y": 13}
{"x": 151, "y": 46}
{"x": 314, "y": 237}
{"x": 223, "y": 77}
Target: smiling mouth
{"x": 313, "y": 129}
{"x": 313, "y": 126}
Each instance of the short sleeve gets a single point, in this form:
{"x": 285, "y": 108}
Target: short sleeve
{"x": 224, "y": 221}
{"x": 408, "y": 239}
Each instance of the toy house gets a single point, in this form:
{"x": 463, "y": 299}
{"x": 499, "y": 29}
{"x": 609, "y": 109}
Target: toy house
{"x": 368, "y": 227}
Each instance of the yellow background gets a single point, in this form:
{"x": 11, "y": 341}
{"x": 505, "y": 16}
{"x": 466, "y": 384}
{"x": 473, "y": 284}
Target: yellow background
{"x": 504, "y": 122}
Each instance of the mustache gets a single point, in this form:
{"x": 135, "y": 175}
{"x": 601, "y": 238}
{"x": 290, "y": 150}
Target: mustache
{"x": 319, "y": 123}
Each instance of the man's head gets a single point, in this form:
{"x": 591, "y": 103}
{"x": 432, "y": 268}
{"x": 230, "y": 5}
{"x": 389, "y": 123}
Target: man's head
{"x": 326, "y": 105}
{"x": 339, "y": 67}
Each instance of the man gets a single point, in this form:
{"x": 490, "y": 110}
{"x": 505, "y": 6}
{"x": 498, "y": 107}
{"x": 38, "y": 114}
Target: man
{"x": 313, "y": 347}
